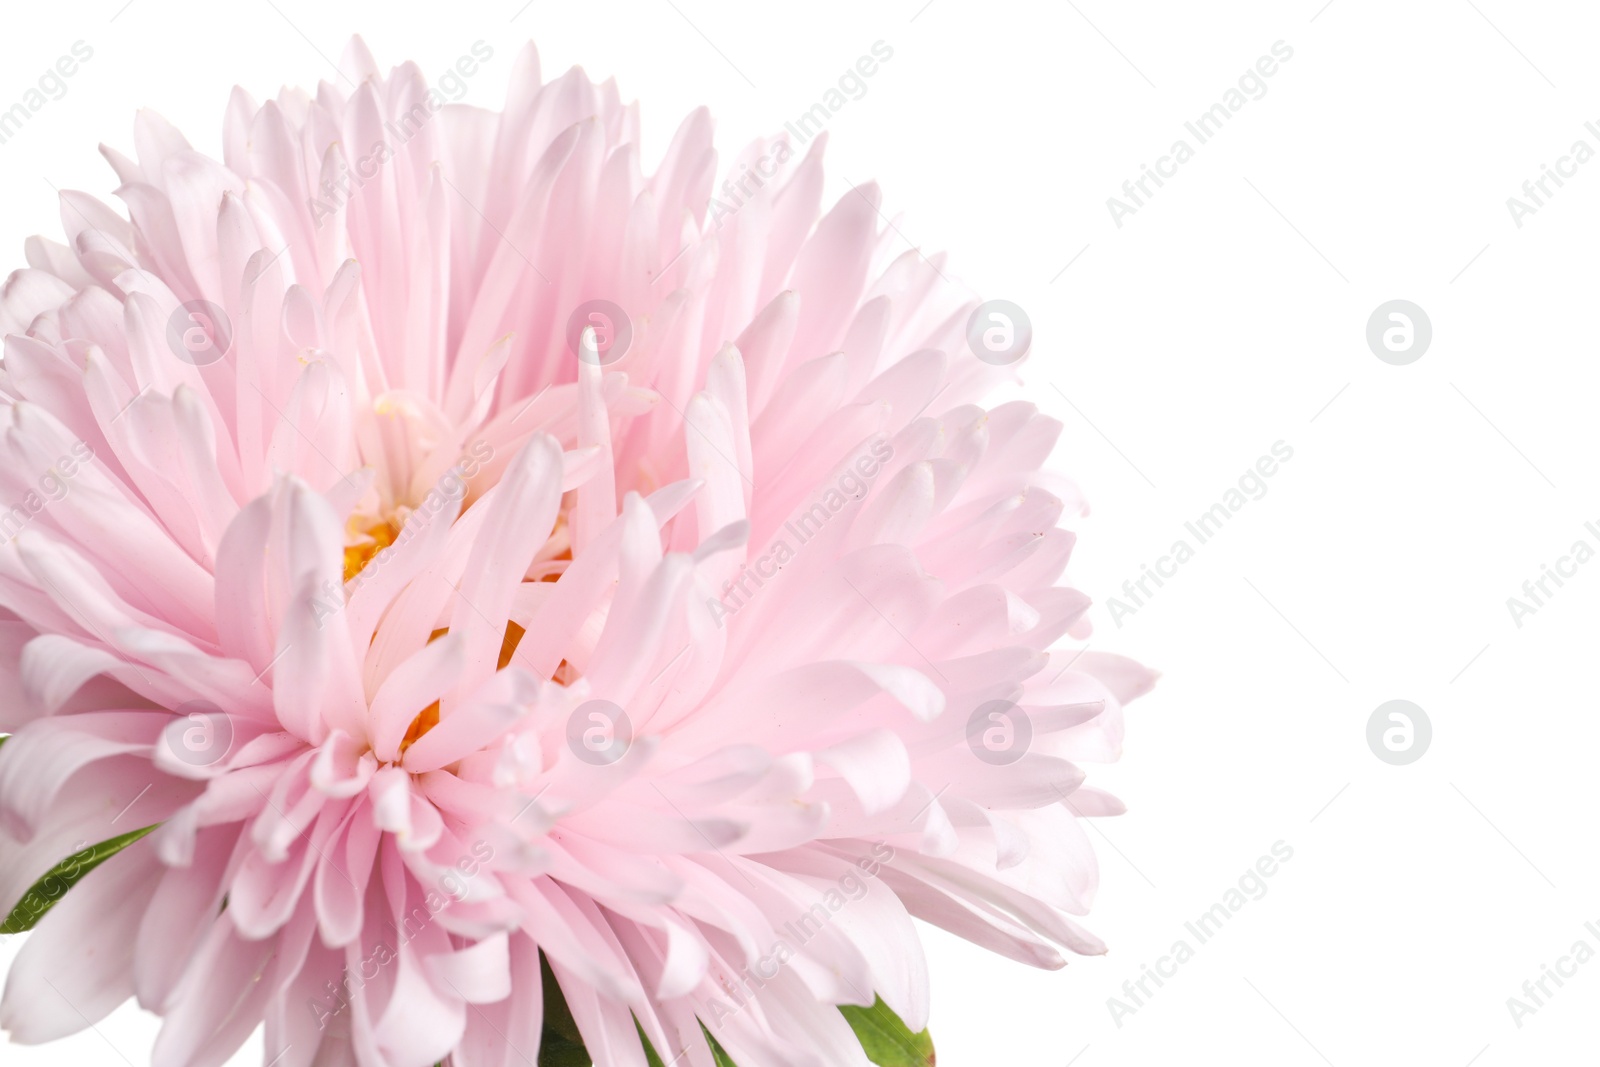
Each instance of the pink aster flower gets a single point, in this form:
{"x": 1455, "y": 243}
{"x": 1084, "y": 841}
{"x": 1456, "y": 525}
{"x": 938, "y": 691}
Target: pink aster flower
{"x": 490, "y": 568}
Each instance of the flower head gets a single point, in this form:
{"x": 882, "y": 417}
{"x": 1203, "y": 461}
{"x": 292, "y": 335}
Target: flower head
{"x": 488, "y": 565}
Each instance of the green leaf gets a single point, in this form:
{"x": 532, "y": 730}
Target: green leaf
{"x": 557, "y": 1016}
{"x": 557, "y": 1051}
{"x": 655, "y": 1059}
{"x": 887, "y": 1040}
{"x": 722, "y": 1058}
{"x": 49, "y": 890}
{"x": 560, "y": 1045}
{"x": 652, "y": 1057}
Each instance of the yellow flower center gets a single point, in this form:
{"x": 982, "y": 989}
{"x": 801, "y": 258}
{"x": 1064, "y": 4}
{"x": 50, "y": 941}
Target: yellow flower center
{"x": 366, "y": 544}
{"x": 427, "y": 720}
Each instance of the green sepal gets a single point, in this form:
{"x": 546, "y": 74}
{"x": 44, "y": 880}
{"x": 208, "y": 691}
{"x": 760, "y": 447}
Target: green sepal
{"x": 654, "y": 1058}
{"x": 49, "y": 890}
{"x": 557, "y": 1051}
{"x": 722, "y": 1058}
{"x": 886, "y": 1039}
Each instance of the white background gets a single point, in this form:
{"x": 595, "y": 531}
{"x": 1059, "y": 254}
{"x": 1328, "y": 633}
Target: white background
{"x": 1228, "y": 314}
